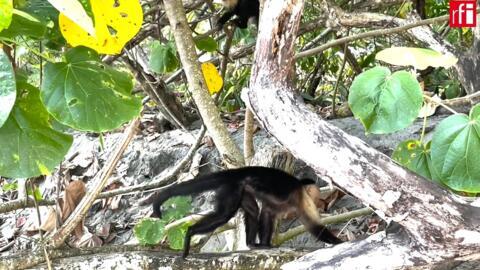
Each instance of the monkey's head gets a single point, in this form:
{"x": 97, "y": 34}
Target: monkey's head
{"x": 229, "y": 4}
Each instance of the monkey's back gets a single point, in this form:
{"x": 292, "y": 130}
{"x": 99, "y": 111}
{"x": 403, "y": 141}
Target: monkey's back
{"x": 268, "y": 180}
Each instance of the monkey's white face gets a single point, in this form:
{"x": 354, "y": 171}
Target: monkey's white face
{"x": 229, "y": 4}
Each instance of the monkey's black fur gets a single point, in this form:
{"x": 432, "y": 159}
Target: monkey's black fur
{"x": 244, "y": 9}
{"x": 278, "y": 191}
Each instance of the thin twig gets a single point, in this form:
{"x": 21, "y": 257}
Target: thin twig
{"x": 368, "y": 34}
{"x": 283, "y": 237}
{"x": 455, "y": 101}
{"x": 224, "y": 62}
{"x": 339, "y": 79}
{"x": 440, "y": 103}
{"x": 423, "y": 127}
{"x": 99, "y": 183}
{"x": 40, "y": 232}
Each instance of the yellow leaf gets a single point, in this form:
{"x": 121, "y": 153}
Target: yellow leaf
{"x": 417, "y": 57}
{"x": 212, "y": 77}
{"x": 116, "y": 22}
{"x": 75, "y": 12}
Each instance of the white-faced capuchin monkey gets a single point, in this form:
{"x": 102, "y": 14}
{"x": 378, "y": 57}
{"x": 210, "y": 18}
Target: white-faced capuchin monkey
{"x": 244, "y": 9}
{"x": 279, "y": 193}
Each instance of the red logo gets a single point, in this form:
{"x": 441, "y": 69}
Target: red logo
{"x": 463, "y": 13}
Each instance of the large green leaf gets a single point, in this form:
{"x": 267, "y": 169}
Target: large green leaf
{"x": 416, "y": 157}
{"x": 385, "y": 102}
{"x": 149, "y": 231}
{"x": 8, "y": 90}
{"x": 456, "y": 151}
{"x": 6, "y": 10}
{"x": 85, "y": 94}
{"x": 163, "y": 58}
{"x": 176, "y": 236}
{"x": 28, "y": 145}
{"x": 206, "y": 44}
{"x": 176, "y": 207}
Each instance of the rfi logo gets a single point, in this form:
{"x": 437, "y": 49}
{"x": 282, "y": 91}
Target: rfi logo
{"x": 463, "y": 13}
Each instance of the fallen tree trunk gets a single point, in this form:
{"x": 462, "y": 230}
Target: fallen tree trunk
{"x": 138, "y": 257}
{"x": 437, "y": 227}
{"x": 380, "y": 251}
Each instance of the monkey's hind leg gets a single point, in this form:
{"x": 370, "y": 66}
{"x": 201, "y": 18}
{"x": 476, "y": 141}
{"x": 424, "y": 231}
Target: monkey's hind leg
{"x": 250, "y": 209}
{"x": 267, "y": 221}
{"x": 228, "y": 201}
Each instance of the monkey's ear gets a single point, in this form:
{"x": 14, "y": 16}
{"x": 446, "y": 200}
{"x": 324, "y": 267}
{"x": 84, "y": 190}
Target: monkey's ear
{"x": 307, "y": 181}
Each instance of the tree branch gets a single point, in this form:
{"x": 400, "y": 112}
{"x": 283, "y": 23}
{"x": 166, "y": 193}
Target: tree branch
{"x": 58, "y": 238}
{"x": 205, "y": 104}
{"x": 434, "y": 221}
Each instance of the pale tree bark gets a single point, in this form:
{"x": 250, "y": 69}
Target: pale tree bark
{"x": 248, "y": 150}
{"x": 140, "y": 257}
{"x": 470, "y": 61}
{"x": 230, "y": 153}
{"x": 436, "y": 226}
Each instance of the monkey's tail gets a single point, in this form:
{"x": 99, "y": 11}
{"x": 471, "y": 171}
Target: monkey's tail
{"x": 311, "y": 219}
{"x": 194, "y": 186}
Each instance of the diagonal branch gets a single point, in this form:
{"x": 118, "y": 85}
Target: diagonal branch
{"x": 437, "y": 226}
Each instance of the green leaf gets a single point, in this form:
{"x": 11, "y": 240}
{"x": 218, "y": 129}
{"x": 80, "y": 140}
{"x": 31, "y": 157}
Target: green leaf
{"x": 8, "y": 88}
{"x": 416, "y": 157}
{"x": 177, "y": 207}
{"x": 6, "y": 186}
{"x": 163, "y": 58}
{"x": 149, "y": 231}
{"x": 24, "y": 24}
{"x": 176, "y": 236}
{"x": 88, "y": 95}
{"x": 6, "y": 11}
{"x": 48, "y": 15}
{"x": 35, "y": 193}
{"x": 452, "y": 89}
{"x": 419, "y": 58}
{"x": 206, "y": 44}
{"x": 28, "y": 145}
{"x": 243, "y": 36}
{"x": 385, "y": 102}
{"x": 455, "y": 151}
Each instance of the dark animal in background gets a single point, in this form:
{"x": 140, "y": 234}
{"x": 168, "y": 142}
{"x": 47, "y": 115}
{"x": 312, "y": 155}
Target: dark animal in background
{"x": 279, "y": 192}
{"x": 243, "y": 9}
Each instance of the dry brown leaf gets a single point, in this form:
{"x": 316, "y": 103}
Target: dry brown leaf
{"x": 373, "y": 225}
{"x": 208, "y": 141}
{"x": 20, "y": 221}
{"x": 72, "y": 196}
{"x": 112, "y": 202}
{"x": 350, "y": 235}
{"x": 429, "y": 107}
{"x": 104, "y": 231}
{"x": 50, "y": 223}
{"x": 88, "y": 240}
